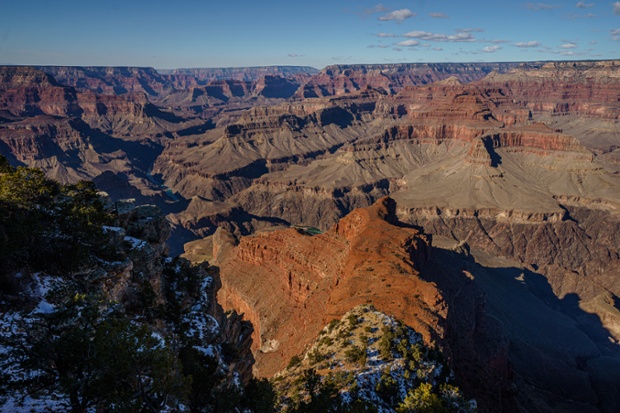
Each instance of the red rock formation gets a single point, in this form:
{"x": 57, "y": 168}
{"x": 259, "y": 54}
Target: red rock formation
{"x": 340, "y": 79}
{"x": 110, "y": 80}
{"x": 290, "y": 284}
{"x": 247, "y": 74}
{"x": 25, "y": 91}
{"x": 275, "y": 87}
{"x": 538, "y": 138}
{"x": 556, "y": 88}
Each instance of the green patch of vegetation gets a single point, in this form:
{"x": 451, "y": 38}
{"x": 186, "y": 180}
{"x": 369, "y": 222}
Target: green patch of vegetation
{"x": 326, "y": 341}
{"x": 387, "y": 388}
{"x": 315, "y": 356}
{"x": 294, "y": 362}
{"x": 356, "y": 355}
{"x": 46, "y": 226}
{"x": 386, "y": 343}
{"x": 332, "y": 325}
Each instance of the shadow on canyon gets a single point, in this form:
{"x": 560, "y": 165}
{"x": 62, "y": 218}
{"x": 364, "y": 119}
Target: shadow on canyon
{"x": 513, "y": 343}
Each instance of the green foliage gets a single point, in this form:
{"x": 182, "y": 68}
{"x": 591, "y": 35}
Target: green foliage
{"x": 202, "y": 372}
{"x": 48, "y": 226}
{"x": 344, "y": 334}
{"x": 26, "y": 187}
{"x": 324, "y": 397}
{"x": 259, "y": 396}
{"x": 352, "y": 318}
{"x": 386, "y": 343}
{"x": 102, "y": 361}
{"x": 356, "y": 355}
{"x": 326, "y": 341}
{"x": 332, "y": 324}
{"x": 422, "y": 400}
{"x": 316, "y": 356}
{"x": 387, "y": 388}
{"x": 5, "y": 166}
{"x": 294, "y": 362}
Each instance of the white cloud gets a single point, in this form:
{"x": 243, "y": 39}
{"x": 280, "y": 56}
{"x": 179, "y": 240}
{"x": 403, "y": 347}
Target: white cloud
{"x": 398, "y": 15}
{"x": 532, "y": 43}
{"x": 617, "y": 8}
{"x": 500, "y": 41}
{"x": 408, "y": 43}
{"x": 379, "y": 8}
{"x": 568, "y": 46}
{"x": 439, "y": 37}
{"x": 573, "y": 16}
{"x": 438, "y": 15}
{"x": 615, "y": 34}
{"x": 295, "y": 55}
{"x": 491, "y": 49}
{"x": 541, "y": 6}
{"x": 470, "y": 30}
{"x": 437, "y": 49}
{"x": 385, "y": 35}
{"x": 582, "y": 5}
{"x": 378, "y": 46}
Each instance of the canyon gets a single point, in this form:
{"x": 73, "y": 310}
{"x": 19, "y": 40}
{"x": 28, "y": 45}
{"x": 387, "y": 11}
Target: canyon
{"x": 478, "y": 203}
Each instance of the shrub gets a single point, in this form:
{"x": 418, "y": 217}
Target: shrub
{"x": 356, "y": 355}
{"x": 294, "y": 362}
{"x": 332, "y": 324}
{"x": 315, "y": 356}
{"x": 422, "y": 400}
{"x": 387, "y": 388}
{"x": 352, "y": 318}
{"x": 386, "y": 343}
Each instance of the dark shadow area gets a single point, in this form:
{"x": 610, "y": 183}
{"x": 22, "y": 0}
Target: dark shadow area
{"x": 147, "y": 88}
{"x": 179, "y": 236}
{"x": 155, "y": 112}
{"x": 141, "y": 155}
{"x": 496, "y": 160}
{"x": 279, "y": 88}
{"x": 6, "y": 152}
{"x": 238, "y": 88}
{"x": 513, "y": 343}
{"x": 213, "y": 91}
{"x": 253, "y": 170}
{"x": 335, "y": 116}
{"x": 197, "y": 130}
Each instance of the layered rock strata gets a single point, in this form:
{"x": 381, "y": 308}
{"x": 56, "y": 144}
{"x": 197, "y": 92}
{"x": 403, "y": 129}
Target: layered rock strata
{"x": 290, "y": 284}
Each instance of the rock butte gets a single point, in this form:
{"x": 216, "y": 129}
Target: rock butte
{"x": 290, "y": 284}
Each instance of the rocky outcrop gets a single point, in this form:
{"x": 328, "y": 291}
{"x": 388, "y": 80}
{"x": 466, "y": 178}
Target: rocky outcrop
{"x": 291, "y": 283}
{"x": 109, "y": 80}
{"x": 560, "y": 88}
{"x": 576, "y": 249}
{"x": 26, "y": 91}
{"x": 247, "y": 74}
{"x": 341, "y": 79}
{"x": 275, "y": 87}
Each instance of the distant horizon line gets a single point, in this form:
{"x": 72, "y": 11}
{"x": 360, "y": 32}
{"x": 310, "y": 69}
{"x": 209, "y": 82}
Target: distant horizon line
{"x": 306, "y": 66}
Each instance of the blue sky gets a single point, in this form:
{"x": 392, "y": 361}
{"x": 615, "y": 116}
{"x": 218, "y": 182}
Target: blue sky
{"x": 189, "y": 33}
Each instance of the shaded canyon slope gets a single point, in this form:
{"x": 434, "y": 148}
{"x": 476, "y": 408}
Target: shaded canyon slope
{"x": 520, "y": 162}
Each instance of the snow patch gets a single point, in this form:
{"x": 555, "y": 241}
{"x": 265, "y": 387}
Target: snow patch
{"x": 135, "y": 242}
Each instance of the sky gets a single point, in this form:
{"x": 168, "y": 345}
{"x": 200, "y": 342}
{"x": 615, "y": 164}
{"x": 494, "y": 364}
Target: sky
{"x": 237, "y": 33}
